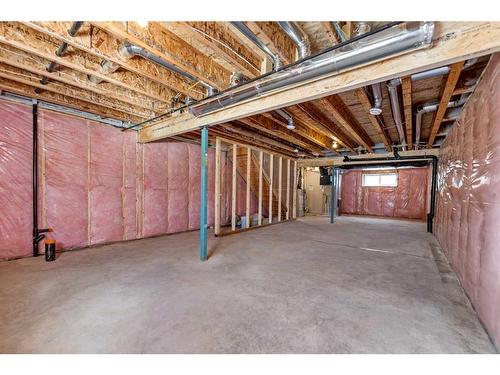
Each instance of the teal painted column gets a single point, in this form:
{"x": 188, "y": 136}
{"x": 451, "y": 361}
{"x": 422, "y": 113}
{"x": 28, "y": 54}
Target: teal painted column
{"x": 332, "y": 196}
{"x": 204, "y": 193}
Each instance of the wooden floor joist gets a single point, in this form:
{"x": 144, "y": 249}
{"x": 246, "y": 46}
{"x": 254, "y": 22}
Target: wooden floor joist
{"x": 408, "y": 110}
{"x": 106, "y": 47}
{"x": 344, "y": 117}
{"x": 447, "y": 93}
{"x": 38, "y": 44}
{"x": 376, "y": 121}
{"x": 452, "y": 42}
{"x": 166, "y": 45}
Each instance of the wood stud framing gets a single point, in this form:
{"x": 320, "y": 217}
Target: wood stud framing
{"x": 288, "y": 189}
{"x": 233, "y": 192}
{"x": 217, "y": 186}
{"x": 259, "y": 181}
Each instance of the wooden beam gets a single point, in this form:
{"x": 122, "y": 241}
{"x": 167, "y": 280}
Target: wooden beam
{"x": 328, "y": 127}
{"x": 376, "y": 121}
{"x": 446, "y": 94}
{"x": 116, "y": 109}
{"x": 261, "y": 160}
{"x": 217, "y": 186}
{"x": 249, "y": 165}
{"x": 331, "y": 32}
{"x": 56, "y": 98}
{"x": 304, "y": 130}
{"x": 280, "y": 184}
{"x": 38, "y": 65}
{"x": 271, "y": 172}
{"x": 171, "y": 48}
{"x": 237, "y": 128}
{"x": 452, "y": 42}
{"x": 98, "y": 43}
{"x": 339, "y": 160}
{"x": 408, "y": 110}
{"x": 213, "y": 40}
{"x": 41, "y": 45}
{"x": 277, "y": 41}
{"x": 279, "y": 130}
{"x": 288, "y": 189}
{"x": 233, "y": 192}
{"x": 244, "y": 141}
{"x": 345, "y": 118}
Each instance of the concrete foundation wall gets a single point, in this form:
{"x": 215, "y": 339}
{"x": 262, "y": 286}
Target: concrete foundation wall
{"x": 468, "y": 203}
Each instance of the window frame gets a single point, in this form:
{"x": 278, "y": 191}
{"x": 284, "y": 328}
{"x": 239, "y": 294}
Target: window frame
{"x": 380, "y": 185}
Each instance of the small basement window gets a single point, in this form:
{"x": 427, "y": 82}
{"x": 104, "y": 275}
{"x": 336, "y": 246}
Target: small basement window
{"x": 386, "y": 179}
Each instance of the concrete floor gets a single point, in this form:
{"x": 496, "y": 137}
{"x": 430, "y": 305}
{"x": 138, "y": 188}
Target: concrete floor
{"x": 362, "y": 285}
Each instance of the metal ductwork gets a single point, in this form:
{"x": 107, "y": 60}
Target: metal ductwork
{"x": 387, "y": 42}
{"x": 298, "y": 36}
{"x": 107, "y": 67}
{"x": 60, "y": 52}
{"x": 377, "y": 99}
{"x": 245, "y": 30}
{"x": 361, "y": 28}
{"x": 128, "y": 50}
{"x": 392, "y": 86}
{"x": 339, "y": 31}
{"x": 394, "y": 95}
{"x": 431, "y": 73}
{"x": 290, "y": 123}
{"x": 432, "y": 107}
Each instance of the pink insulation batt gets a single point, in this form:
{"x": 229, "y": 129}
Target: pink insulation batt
{"x": 97, "y": 184}
{"x": 16, "y": 177}
{"x": 468, "y": 201}
{"x": 407, "y": 200}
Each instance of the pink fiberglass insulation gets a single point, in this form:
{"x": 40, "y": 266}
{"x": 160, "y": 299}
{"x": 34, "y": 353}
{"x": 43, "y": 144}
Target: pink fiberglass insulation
{"x": 98, "y": 185}
{"x": 105, "y": 185}
{"x": 178, "y": 183}
{"x": 407, "y": 200}
{"x": 155, "y": 220}
{"x": 194, "y": 167}
{"x": 65, "y": 143}
{"x": 130, "y": 185}
{"x": 211, "y": 186}
{"x": 15, "y": 185}
{"x": 468, "y": 200}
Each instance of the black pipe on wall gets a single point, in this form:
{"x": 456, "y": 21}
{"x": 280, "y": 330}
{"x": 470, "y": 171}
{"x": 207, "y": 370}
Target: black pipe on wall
{"x": 36, "y": 236}
{"x": 37, "y": 232}
{"x": 430, "y": 215}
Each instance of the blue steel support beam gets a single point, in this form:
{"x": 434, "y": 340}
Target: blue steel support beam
{"x": 204, "y": 193}
{"x": 332, "y": 196}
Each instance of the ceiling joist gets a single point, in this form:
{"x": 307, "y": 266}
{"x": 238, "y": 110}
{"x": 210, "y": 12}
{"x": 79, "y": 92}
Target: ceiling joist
{"x": 452, "y": 42}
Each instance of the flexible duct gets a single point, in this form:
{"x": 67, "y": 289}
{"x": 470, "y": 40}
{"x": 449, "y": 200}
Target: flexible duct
{"x": 369, "y": 48}
{"x": 432, "y": 107}
{"x": 298, "y": 36}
